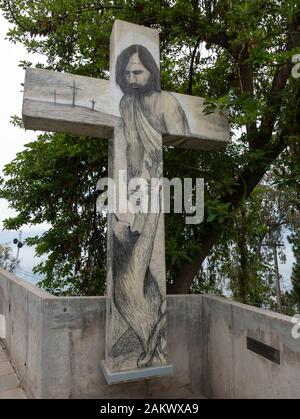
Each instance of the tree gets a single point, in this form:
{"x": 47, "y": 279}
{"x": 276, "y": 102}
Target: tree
{"x": 242, "y": 263}
{"x": 245, "y": 70}
{"x": 287, "y": 177}
{"x": 7, "y": 261}
{"x": 75, "y": 243}
{"x": 295, "y": 277}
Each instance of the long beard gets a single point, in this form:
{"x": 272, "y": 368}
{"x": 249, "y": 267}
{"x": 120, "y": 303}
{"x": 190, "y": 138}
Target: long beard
{"x": 143, "y": 139}
{"x": 137, "y": 90}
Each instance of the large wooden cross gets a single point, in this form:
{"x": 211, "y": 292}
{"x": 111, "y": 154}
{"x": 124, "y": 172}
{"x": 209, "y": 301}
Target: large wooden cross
{"x": 137, "y": 118}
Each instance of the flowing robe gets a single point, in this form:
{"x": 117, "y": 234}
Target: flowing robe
{"x": 137, "y": 295}
{"x": 146, "y": 118}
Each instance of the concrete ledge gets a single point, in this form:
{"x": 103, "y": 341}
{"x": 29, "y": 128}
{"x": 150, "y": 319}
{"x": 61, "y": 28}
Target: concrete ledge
{"x": 139, "y": 374}
{"x": 56, "y": 345}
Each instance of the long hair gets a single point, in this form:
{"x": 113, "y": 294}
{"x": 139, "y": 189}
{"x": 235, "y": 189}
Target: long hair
{"x": 153, "y": 84}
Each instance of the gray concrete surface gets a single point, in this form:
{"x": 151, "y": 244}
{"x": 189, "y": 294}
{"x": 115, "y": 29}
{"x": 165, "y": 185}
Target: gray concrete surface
{"x": 230, "y": 370}
{"x": 56, "y": 345}
{"x": 9, "y": 383}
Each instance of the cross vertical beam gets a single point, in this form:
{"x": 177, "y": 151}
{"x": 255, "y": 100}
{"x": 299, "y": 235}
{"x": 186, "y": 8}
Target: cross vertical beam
{"x": 74, "y": 92}
{"x": 136, "y": 282}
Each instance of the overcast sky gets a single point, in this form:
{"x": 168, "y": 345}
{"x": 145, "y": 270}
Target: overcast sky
{"x": 13, "y": 139}
{"x": 11, "y": 77}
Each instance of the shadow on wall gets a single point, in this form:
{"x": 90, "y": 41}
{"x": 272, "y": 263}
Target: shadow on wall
{"x": 2, "y": 318}
{"x": 2, "y": 301}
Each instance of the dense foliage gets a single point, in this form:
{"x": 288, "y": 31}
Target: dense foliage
{"x": 7, "y": 261}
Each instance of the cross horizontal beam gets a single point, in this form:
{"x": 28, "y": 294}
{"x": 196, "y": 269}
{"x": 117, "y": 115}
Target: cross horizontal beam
{"x": 42, "y": 112}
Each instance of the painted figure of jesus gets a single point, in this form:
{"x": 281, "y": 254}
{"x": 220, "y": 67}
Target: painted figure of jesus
{"x": 147, "y": 113}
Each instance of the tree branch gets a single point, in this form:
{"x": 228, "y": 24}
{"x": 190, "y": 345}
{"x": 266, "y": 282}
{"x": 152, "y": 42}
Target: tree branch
{"x": 247, "y": 181}
{"x": 279, "y": 82}
{"x": 14, "y": 17}
{"x": 191, "y": 73}
{"x": 219, "y": 38}
{"x": 49, "y": 25}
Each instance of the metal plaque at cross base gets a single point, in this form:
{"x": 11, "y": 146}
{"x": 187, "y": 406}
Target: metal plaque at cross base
{"x": 137, "y": 118}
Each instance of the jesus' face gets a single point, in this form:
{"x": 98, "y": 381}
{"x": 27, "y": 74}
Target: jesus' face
{"x": 136, "y": 73}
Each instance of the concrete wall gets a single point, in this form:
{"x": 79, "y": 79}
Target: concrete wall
{"x": 22, "y": 306}
{"x": 56, "y": 345}
{"x": 230, "y": 370}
